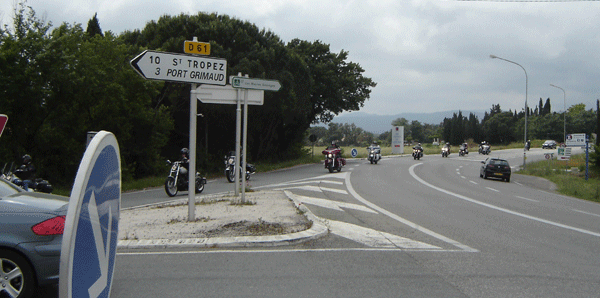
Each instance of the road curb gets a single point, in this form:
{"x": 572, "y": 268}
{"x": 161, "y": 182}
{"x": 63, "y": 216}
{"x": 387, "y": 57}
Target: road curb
{"x": 317, "y": 230}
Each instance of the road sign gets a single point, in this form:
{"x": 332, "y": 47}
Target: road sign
{"x": 564, "y": 153}
{"x": 575, "y": 140}
{"x": 257, "y": 84}
{"x": 89, "y": 244}
{"x": 227, "y": 95}
{"x": 195, "y": 47}
{"x": 181, "y": 68}
{"x": 3, "y": 120}
{"x": 354, "y": 152}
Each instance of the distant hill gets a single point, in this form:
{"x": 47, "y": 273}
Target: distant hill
{"x": 380, "y": 123}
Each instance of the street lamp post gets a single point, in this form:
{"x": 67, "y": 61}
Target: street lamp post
{"x": 526, "y": 109}
{"x": 565, "y": 113}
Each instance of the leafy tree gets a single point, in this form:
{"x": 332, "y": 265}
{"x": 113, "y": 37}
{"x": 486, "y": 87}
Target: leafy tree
{"x": 67, "y": 83}
{"x": 93, "y": 27}
{"x": 416, "y": 131}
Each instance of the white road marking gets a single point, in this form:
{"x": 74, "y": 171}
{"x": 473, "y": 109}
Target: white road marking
{"x": 585, "y": 212}
{"x": 527, "y": 199}
{"x": 473, "y": 182}
{"x": 331, "y": 204}
{"x": 404, "y": 221}
{"x": 412, "y": 173}
{"x": 374, "y": 238}
{"x": 492, "y": 189}
{"x": 463, "y": 177}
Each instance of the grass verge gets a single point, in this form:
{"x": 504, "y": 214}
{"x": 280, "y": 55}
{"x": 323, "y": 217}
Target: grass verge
{"x": 569, "y": 177}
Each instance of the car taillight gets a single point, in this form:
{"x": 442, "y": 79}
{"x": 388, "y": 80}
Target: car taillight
{"x": 53, "y": 226}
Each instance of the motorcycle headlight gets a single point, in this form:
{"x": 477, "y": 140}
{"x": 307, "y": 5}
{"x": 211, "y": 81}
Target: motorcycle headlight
{"x": 330, "y": 155}
{"x": 174, "y": 168}
{"x": 230, "y": 161}
{"x": 372, "y": 151}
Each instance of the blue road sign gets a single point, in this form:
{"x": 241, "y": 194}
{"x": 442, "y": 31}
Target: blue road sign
{"x": 354, "y": 152}
{"x": 92, "y": 224}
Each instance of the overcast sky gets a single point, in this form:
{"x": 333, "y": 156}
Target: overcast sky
{"x": 425, "y": 56}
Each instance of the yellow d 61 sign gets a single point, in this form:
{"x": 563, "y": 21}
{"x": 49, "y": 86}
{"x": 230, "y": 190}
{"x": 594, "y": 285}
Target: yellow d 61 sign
{"x": 194, "y": 47}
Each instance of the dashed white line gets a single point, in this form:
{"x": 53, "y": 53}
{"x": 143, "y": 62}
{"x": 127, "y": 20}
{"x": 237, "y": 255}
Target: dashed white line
{"x": 592, "y": 214}
{"x": 523, "y": 198}
{"x": 473, "y": 182}
{"x": 492, "y": 189}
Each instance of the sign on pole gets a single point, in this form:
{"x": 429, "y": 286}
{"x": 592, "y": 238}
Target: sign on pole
{"x": 226, "y": 95}
{"x": 256, "y": 84}
{"x": 575, "y": 140}
{"x": 564, "y": 153}
{"x": 3, "y": 120}
{"x": 195, "y": 47}
{"x": 89, "y": 245}
{"x": 181, "y": 68}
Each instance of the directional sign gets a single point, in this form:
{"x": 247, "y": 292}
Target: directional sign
{"x": 194, "y": 47}
{"x": 258, "y": 84}
{"x": 89, "y": 244}
{"x": 3, "y": 120}
{"x": 354, "y": 152}
{"x": 227, "y": 95}
{"x": 181, "y": 68}
{"x": 576, "y": 139}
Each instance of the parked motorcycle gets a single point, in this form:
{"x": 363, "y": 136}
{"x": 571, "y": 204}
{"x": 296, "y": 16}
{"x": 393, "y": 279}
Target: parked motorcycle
{"x": 230, "y": 166}
{"x": 334, "y": 160}
{"x": 485, "y": 149}
{"x": 417, "y": 153}
{"x": 374, "y": 154}
{"x": 445, "y": 152}
{"x": 178, "y": 179}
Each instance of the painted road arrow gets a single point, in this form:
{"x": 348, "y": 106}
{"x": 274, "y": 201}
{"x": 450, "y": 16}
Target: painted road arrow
{"x": 181, "y": 68}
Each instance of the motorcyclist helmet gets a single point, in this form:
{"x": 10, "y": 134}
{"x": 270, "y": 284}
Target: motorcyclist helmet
{"x": 419, "y": 144}
{"x": 26, "y": 159}
{"x": 185, "y": 152}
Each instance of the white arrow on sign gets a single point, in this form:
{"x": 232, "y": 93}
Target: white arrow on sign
{"x": 181, "y": 68}
{"x": 257, "y": 84}
{"x": 226, "y": 95}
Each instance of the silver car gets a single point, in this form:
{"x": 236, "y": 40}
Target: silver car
{"x": 31, "y": 228}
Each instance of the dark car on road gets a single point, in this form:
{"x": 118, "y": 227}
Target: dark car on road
{"x": 495, "y": 167}
{"x": 31, "y": 230}
{"x": 549, "y": 144}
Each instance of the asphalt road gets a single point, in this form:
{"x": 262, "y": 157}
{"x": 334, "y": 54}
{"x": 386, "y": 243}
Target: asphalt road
{"x": 427, "y": 228}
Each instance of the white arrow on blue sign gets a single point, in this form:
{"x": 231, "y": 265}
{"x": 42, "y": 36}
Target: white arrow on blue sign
{"x": 89, "y": 244}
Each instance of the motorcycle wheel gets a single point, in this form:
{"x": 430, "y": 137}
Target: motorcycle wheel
{"x": 330, "y": 168}
{"x": 170, "y": 187}
{"x": 371, "y": 160}
{"x": 230, "y": 175}
{"x": 199, "y": 185}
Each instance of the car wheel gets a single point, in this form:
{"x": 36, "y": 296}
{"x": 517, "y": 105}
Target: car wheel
{"x": 507, "y": 179}
{"x": 484, "y": 175}
{"x": 16, "y": 275}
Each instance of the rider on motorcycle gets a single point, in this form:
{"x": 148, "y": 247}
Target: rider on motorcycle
{"x": 26, "y": 172}
{"x": 333, "y": 146}
{"x": 465, "y": 147}
{"x": 447, "y": 145}
{"x": 185, "y": 161}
